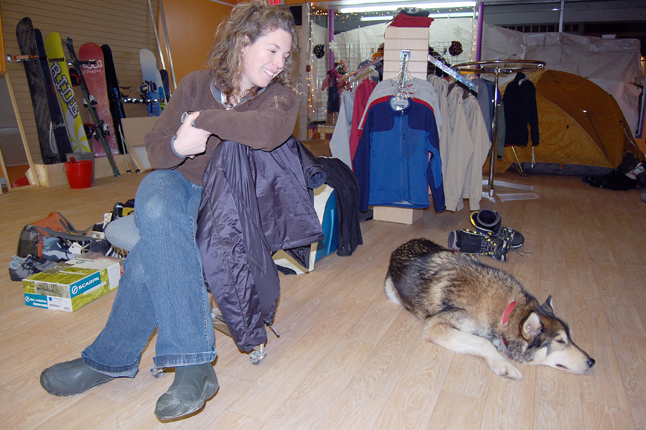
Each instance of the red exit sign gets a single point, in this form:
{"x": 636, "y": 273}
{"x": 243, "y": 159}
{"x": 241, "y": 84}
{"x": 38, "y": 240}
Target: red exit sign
{"x": 276, "y": 1}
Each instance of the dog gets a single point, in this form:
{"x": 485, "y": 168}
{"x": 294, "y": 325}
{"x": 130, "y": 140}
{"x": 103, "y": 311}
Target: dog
{"x": 471, "y": 308}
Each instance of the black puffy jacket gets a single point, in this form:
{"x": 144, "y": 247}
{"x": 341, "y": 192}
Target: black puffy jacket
{"x": 254, "y": 203}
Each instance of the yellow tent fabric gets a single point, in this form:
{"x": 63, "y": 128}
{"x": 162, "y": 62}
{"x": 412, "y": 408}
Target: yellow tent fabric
{"x": 582, "y": 129}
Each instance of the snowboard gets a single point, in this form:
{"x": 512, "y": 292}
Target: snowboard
{"x": 92, "y": 64}
{"x": 117, "y": 108}
{"x": 35, "y": 80}
{"x": 97, "y": 123}
{"x": 63, "y": 82}
{"x": 149, "y": 90}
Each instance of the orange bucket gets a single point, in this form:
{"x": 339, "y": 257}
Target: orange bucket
{"x": 79, "y": 173}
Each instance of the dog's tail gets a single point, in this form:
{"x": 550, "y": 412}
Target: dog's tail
{"x": 391, "y": 291}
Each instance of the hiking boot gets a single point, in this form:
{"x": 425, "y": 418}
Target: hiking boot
{"x": 21, "y": 268}
{"x": 192, "y": 386}
{"x": 471, "y": 242}
{"x": 55, "y": 249}
{"x": 71, "y": 377}
{"x": 488, "y": 221}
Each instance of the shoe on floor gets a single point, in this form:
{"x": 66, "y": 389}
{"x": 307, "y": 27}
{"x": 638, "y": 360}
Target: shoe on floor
{"x": 488, "y": 221}
{"x": 71, "y": 377}
{"x": 471, "y": 242}
{"x": 21, "y": 268}
{"x": 192, "y": 387}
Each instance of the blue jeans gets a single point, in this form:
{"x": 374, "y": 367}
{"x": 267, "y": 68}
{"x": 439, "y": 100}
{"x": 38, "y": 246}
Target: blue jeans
{"x": 162, "y": 285}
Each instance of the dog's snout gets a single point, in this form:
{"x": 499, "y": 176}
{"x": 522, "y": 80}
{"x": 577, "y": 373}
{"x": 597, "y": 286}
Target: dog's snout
{"x": 591, "y": 362}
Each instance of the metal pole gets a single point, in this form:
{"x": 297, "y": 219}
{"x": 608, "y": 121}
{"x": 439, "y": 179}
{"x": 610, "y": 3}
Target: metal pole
{"x": 152, "y": 19}
{"x": 170, "y": 58}
{"x": 561, "y": 16}
{"x": 480, "y": 27}
{"x": 330, "y": 19}
{"x": 494, "y": 133}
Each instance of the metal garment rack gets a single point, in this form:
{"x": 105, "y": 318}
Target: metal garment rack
{"x": 448, "y": 70}
{"x": 497, "y": 68}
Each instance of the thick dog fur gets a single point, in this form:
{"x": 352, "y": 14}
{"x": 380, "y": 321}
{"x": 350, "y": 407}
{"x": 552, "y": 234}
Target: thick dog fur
{"x": 463, "y": 303}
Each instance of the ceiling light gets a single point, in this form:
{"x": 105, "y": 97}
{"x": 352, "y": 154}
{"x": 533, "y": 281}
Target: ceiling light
{"x": 376, "y": 18}
{"x": 439, "y": 5}
{"x": 392, "y": 7}
{"x": 452, "y": 15}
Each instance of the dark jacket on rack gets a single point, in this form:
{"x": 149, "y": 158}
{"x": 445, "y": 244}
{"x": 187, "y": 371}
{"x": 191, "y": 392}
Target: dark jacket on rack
{"x": 520, "y": 111}
{"x": 253, "y": 203}
{"x": 346, "y": 187}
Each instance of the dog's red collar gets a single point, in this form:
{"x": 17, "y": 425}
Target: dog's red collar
{"x": 505, "y": 316}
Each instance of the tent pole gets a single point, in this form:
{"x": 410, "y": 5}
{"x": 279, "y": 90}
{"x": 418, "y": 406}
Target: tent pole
{"x": 520, "y": 166}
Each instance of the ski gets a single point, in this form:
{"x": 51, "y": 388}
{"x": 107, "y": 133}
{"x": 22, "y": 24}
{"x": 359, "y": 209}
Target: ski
{"x": 62, "y": 80}
{"x": 36, "y": 82}
{"x": 91, "y": 59}
{"x": 97, "y": 122}
{"x": 116, "y": 104}
{"x": 165, "y": 83}
{"x": 58, "y": 120}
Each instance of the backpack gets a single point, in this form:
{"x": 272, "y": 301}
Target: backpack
{"x": 56, "y": 225}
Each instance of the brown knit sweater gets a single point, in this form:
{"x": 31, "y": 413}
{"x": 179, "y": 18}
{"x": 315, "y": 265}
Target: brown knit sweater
{"x": 264, "y": 122}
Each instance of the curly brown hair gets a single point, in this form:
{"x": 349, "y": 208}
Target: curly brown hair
{"x": 249, "y": 21}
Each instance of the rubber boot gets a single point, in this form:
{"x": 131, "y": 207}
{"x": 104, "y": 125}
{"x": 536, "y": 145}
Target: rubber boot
{"x": 71, "y": 377}
{"x": 191, "y": 388}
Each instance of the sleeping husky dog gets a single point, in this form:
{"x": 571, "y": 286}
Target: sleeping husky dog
{"x": 471, "y": 308}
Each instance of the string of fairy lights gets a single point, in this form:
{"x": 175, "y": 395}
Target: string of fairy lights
{"x": 320, "y": 17}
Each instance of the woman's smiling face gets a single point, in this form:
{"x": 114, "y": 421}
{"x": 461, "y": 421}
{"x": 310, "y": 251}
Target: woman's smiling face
{"x": 264, "y": 59}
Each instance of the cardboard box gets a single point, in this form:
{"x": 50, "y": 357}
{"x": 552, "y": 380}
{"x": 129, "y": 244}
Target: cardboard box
{"x": 394, "y": 214}
{"x": 72, "y": 284}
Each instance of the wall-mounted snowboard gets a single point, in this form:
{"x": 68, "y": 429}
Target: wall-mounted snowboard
{"x": 150, "y": 89}
{"x": 93, "y": 67}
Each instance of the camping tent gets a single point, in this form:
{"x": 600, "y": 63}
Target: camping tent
{"x": 613, "y": 64}
{"x": 582, "y": 129}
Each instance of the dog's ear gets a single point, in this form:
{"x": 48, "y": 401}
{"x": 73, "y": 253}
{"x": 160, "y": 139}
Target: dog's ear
{"x": 548, "y": 305}
{"x": 531, "y": 327}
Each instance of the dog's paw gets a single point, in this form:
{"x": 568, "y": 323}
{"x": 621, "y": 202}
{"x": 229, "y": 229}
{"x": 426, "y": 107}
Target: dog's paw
{"x": 502, "y": 367}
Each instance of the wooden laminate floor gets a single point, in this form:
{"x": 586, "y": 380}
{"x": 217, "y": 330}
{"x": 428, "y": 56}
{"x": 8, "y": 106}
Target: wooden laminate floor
{"x": 350, "y": 359}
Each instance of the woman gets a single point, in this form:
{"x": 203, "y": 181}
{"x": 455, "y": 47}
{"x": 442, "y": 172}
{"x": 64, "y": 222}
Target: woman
{"x": 246, "y": 96}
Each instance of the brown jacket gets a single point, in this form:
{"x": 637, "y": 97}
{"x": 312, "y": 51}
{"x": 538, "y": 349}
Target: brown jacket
{"x": 263, "y": 122}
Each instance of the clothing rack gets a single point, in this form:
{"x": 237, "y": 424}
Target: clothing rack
{"x": 395, "y": 38}
{"x": 362, "y": 69}
{"x": 455, "y": 74}
{"x": 497, "y": 68}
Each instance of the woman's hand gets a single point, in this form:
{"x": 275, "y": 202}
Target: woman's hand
{"x": 190, "y": 141}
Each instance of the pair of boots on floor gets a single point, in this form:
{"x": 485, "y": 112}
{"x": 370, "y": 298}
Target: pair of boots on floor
{"x": 192, "y": 386}
{"x": 489, "y": 238}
